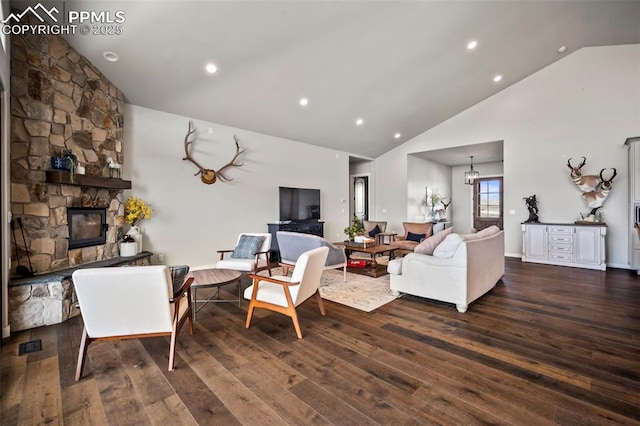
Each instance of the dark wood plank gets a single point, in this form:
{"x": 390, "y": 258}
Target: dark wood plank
{"x": 81, "y": 404}
{"x": 42, "y": 400}
{"x": 120, "y": 400}
{"x": 68, "y": 347}
{"x": 12, "y": 377}
{"x": 202, "y": 403}
{"x": 328, "y": 405}
{"x": 49, "y": 337}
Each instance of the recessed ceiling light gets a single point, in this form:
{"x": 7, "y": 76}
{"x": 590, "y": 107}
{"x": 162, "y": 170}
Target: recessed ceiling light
{"x": 211, "y": 68}
{"x": 111, "y": 56}
{"x": 359, "y": 122}
{"x": 304, "y": 101}
{"x": 497, "y": 78}
{"x": 562, "y": 49}
{"x": 472, "y": 45}
{"x": 397, "y": 135}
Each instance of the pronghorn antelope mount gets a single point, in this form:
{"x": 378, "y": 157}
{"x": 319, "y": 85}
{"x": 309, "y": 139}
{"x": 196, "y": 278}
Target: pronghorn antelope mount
{"x": 586, "y": 183}
{"x": 595, "y": 188}
{"x": 595, "y": 199}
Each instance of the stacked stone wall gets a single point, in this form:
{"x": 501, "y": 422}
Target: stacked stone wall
{"x": 60, "y": 103}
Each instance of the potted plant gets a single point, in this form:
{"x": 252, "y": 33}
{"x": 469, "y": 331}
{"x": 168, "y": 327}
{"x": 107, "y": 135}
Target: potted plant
{"x": 135, "y": 210}
{"x": 357, "y": 228}
{"x": 65, "y": 161}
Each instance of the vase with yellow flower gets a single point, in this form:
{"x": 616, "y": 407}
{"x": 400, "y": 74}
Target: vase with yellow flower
{"x": 135, "y": 210}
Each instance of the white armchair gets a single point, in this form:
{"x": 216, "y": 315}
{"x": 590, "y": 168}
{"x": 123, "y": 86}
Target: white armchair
{"x": 251, "y": 254}
{"x": 129, "y": 303}
{"x": 282, "y": 294}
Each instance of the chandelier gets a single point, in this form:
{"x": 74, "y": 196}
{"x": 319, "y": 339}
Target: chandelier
{"x": 470, "y": 176}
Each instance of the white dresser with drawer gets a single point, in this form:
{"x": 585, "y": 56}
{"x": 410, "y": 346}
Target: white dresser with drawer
{"x": 580, "y": 246}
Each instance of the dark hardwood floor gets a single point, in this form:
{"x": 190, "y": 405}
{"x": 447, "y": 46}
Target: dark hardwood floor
{"x": 548, "y": 345}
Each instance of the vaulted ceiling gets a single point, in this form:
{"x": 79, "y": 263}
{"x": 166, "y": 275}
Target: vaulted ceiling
{"x": 401, "y": 66}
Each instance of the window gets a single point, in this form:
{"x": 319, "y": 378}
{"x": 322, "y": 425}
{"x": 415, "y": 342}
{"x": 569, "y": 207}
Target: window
{"x": 489, "y": 199}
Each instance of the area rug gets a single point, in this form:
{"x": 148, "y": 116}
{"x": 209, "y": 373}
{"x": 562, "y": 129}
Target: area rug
{"x": 359, "y": 292}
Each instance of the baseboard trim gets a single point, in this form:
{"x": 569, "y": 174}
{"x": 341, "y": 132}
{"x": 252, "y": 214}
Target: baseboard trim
{"x": 518, "y": 255}
{"x": 619, "y": 266}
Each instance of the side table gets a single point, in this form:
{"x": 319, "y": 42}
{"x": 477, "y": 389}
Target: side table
{"x": 385, "y": 237}
{"x": 213, "y": 277}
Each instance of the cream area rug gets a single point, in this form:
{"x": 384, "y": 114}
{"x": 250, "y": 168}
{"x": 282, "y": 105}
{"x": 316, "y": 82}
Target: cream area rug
{"x": 359, "y": 292}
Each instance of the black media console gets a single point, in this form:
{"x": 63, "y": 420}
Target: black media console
{"x": 315, "y": 228}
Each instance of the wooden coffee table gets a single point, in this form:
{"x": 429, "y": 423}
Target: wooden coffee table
{"x": 374, "y": 269}
{"x": 213, "y": 277}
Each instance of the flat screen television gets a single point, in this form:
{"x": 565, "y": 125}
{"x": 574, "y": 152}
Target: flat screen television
{"x": 299, "y": 204}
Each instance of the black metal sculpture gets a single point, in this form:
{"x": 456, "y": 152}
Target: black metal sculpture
{"x": 532, "y": 205}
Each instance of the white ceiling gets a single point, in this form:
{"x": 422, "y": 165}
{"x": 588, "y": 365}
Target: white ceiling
{"x": 489, "y": 152}
{"x": 402, "y": 66}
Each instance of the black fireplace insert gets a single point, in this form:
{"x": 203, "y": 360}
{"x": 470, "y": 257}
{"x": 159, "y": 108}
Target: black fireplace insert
{"x": 87, "y": 226}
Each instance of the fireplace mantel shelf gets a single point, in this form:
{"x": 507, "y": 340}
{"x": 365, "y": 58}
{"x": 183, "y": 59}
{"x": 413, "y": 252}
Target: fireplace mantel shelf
{"x": 63, "y": 177}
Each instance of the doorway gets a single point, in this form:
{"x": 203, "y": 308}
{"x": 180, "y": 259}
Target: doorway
{"x": 487, "y": 203}
{"x": 361, "y": 197}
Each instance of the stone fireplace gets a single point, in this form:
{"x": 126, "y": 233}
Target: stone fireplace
{"x": 60, "y": 103}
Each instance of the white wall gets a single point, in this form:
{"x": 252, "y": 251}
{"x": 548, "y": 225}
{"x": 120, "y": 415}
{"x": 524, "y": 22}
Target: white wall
{"x": 422, "y": 173}
{"x": 192, "y": 220}
{"x": 584, "y": 105}
{"x": 462, "y": 206}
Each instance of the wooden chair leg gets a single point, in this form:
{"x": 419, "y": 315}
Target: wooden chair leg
{"x": 82, "y": 354}
{"x": 190, "y": 311}
{"x": 296, "y": 325}
{"x": 320, "y": 303}
{"x": 252, "y": 302}
{"x": 249, "y": 314}
{"x": 172, "y": 348}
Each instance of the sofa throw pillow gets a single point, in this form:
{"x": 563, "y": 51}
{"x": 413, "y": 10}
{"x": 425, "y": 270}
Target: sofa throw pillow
{"x": 247, "y": 246}
{"x": 471, "y": 236}
{"x": 178, "y": 274}
{"x": 415, "y": 237}
{"x": 375, "y": 231}
{"x": 447, "y": 248}
{"x": 429, "y": 245}
{"x": 487, "y": 232}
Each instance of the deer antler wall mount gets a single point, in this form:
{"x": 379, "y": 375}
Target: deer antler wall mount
{"x": 210, "y": 176}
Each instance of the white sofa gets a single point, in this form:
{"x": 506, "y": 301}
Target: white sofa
{"x": 473, "y": 270}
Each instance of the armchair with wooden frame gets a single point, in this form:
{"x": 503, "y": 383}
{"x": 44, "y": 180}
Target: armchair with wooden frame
{"x": 251, "y": 254}
{"x": 370, "y": 226}
{"x": 129, "y": 303}
{"x": 414, "y": 233}
{"x": 293, "y": 244}
{"x": 282, "y": 294}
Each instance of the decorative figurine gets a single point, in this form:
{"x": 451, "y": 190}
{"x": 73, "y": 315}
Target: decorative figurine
{"x": 532, "y": 205}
